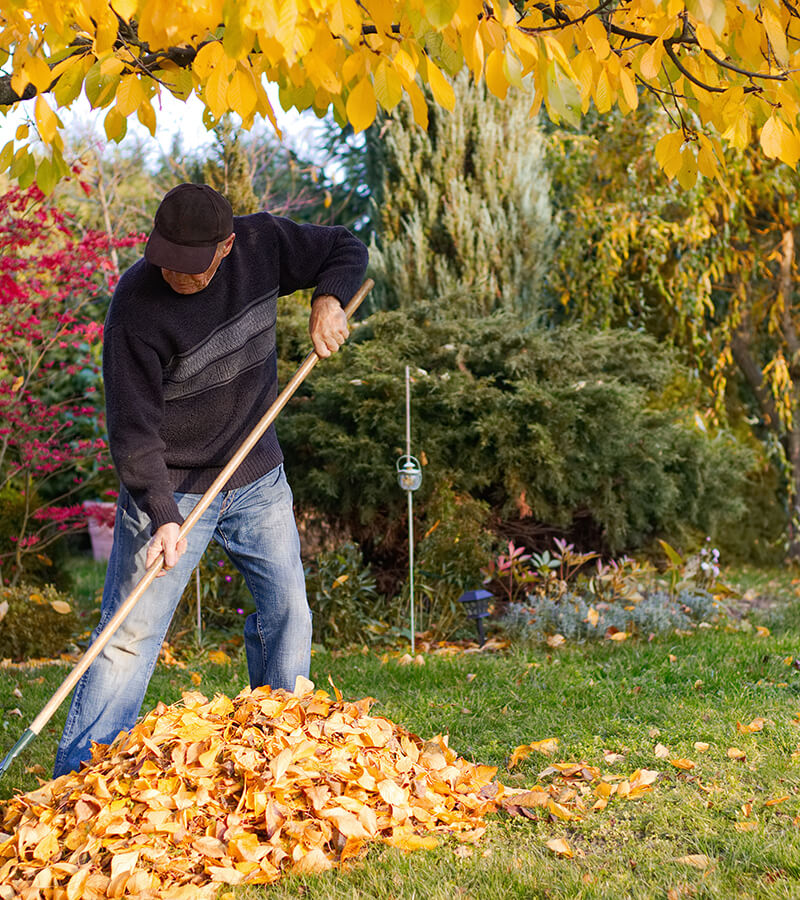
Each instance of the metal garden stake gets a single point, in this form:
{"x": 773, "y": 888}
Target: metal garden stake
{"x": 409, "y": 477}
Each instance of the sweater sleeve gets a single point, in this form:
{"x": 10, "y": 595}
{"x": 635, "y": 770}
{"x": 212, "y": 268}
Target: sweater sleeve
{"x": 134, "y": 412}
{"x": 326, "y": 257}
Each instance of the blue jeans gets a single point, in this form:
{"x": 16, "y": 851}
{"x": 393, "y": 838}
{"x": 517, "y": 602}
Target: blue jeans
{"x": 256, "y": 527}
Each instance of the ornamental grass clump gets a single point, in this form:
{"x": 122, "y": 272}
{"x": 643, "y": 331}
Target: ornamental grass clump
{"x": 554, "y": 595}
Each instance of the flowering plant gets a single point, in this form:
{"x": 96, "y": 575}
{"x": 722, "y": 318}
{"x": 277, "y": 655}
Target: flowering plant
{"x": 54, "y": 284}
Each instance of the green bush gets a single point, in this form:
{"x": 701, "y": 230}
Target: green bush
{"x": 343, "y": 598}
{"x": 36, "y": 622}
{"x": 449, "y": 558}
{"x": 559, "y": 426}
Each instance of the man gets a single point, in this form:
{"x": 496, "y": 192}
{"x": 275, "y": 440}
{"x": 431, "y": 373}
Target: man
{"x": 189, "y": 365}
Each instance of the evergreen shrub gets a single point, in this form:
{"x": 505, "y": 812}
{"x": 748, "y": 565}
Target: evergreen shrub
{"x": 549, "y": 425}
{"x": 38, "y": 622}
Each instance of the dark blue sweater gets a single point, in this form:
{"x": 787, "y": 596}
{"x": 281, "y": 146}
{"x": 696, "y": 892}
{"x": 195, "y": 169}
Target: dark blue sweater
{"x": 187, "y": 377}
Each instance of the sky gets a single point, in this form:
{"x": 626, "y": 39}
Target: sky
{"x": 174, "y": 117}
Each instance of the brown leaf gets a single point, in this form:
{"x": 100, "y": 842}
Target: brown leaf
{"x": 756, "y": 725}
{"x": 560, "y": 847}
{"x": 697, "y": 860}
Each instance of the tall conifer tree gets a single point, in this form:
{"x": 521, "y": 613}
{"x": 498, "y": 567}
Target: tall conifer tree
{"x": 462, "y": 212}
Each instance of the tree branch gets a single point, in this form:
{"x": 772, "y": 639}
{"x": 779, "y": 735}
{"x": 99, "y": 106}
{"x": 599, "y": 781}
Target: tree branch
{"x": 740, "y": 348}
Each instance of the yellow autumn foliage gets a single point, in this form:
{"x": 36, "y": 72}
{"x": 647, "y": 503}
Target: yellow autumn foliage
{"x": 729, "y": 68}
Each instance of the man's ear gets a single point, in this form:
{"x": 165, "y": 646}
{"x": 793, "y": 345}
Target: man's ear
{"x": 228, "y": 244}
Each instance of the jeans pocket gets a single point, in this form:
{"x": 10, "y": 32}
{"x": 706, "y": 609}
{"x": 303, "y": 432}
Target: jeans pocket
{"x": 127, "y": 505}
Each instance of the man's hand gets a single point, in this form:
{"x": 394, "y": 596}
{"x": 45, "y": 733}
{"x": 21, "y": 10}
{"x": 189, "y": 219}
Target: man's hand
{"x": 166, "y": 540}
{"x": 327, "y": 325}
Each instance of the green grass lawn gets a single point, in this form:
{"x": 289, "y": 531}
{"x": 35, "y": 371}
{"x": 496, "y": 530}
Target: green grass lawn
{"x": 624, "y": 698}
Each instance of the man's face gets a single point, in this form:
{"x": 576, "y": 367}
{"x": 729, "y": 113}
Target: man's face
{"x": 183, "y": 283}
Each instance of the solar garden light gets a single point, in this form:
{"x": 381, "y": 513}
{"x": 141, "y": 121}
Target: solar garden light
{"x": 476, "y": 606}
{"x": 409, "y": 477}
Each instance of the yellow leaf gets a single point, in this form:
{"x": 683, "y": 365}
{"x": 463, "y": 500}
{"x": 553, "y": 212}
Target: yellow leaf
{"x": 313, "y": 862}
{"x": 388, "y": 87}
{"x": 598, "y": 37}
{"x": 686, "y": 764}
{"x": 662, "y": 752}
{"x": 215, "y": 93}
{"x": 602, "y": 94}
{"x": 413, "y": 842}
{"x": 779, "y": 141}
{"x": 361, "y": 107}
{"x": 736, "y": 753}
{"x": 219, "y": 657}
{"x": 418, "y": 104}
{"x": 776, "y": 35}
{"x": 46, "y": 120}
{"x": 687, "y": 174}
{"x": 130, "y": 94}
{"x": 125, "y": 9}
{"x": 629, "y": 88}
{"x": 619, "y": 636}
{"x": 698, "y": 860}
{"x": 701, "y": 746}
{"x": 440, "y": 12}
{"x": 556, "y": 640}
{"x": 776, "y": 800}
{"x": 593, "y": 617}
{"x": 560, "y": 847}
{"x": 441, "y": 88}
{"x": 60, "y": 606}
{"x": 756, "y": 725}
{"x": 18, "y": 382}
{"x": 242, "y": 95}
{"x": 115, "y": 125}
{"x": 762, "y": 631}
{"x": 650, "y": 63}
{"x": 668, "y": 153}
{"x": 147, "y": 116}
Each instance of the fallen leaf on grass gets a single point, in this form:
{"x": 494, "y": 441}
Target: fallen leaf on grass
{"x": 219, "y": 657}
{"x": 560, "y": 847}
{"x": 556, "y": 640}
{"x": 776, "y": 800}
{"x": 762, "y": 631}
{"x": 662, "y": 752}
{"x": 686, "y": 764}
{"x": 756, "y": 725}
{"x": 548, "y": 747}
{"x": 736, "y": 753}
{"x": 698, "y": 860}
{"x": 610, "y": 757}
{"x": 745, "y": 826}
{"x": 701, "y": 746}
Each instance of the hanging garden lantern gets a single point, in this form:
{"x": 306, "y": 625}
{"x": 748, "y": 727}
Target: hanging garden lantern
{"x": 409, "y": 473}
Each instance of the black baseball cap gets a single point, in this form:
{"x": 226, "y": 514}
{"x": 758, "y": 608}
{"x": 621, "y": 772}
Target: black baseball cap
{"x": 189, "y": 223}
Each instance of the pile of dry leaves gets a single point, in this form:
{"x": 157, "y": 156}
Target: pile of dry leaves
{"x": 230, "y": 791}
{"x": 203, "y": 793}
